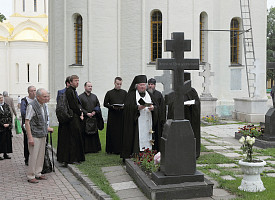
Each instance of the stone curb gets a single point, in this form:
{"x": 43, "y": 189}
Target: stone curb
{"x": 95, "y": 190}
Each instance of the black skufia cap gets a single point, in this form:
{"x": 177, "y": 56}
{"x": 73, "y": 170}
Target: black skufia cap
{"x": 138, "y": 79}
{"x": 152, "y": 80}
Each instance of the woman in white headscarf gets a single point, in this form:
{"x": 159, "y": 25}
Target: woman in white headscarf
{"x": 5, "y": 129}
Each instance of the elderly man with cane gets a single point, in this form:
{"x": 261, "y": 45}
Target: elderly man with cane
{"x": 37, "y": 130}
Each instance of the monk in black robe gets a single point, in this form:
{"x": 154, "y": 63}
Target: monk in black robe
{"x": 91, "y": 109}
{"x": 192, "y": 113}
{"x": 5, "y": 129}
{"x": 114, "y": 100}
{"x": 137, "y": 108}
{"x": 72, "y": 149}
{"x": 158, "y": 96}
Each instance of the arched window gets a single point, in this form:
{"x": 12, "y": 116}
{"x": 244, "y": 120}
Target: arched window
{"x": 203, "y": 37}
{"x": 156, "y": 35}
{"x": 35, "y": 5}
{"x": 78, "y": 40}
{"x": 39, "y": 73}
{"x": 28, "y": 72}
{"x": 235, "y": 41}
{"x": 23, "y": 5}
{"x": 17, "y": 72}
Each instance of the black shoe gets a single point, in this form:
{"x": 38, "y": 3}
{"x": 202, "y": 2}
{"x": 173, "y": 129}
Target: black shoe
{"x": 27, "y": 163}
{"x": 1, "y": 158}
{"x": 6, "y": 156}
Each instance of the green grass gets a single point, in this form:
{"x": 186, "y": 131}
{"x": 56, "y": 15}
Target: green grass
{"x": 213, "y": 158}
{"x": 94, "y": 162}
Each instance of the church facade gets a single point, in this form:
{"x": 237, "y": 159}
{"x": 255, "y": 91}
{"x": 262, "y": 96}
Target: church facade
{"x": 24, "y": 47}
{"x": 101, "y": 39}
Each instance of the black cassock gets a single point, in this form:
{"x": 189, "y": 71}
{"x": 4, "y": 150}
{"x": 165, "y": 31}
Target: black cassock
{"x": 89, "y": 104}
{"x": 193, "y": 114}
{"x": 130, "y": 137}
{"x": 70, "y": 147}
{"x": 162, "y": 107}
{"x": 114, "y": 123}
{"x": 5, "y": 133}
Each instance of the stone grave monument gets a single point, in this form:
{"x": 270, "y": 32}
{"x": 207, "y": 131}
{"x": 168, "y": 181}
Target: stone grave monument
{"x": 208, "y": 103}
{"x": 178, "y": 177}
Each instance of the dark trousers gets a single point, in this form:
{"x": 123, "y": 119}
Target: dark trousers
{"x": 26, "y": 149}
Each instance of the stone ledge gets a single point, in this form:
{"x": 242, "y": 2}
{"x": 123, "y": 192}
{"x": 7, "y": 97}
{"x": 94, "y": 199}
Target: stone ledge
{"x": 173, "y": 191}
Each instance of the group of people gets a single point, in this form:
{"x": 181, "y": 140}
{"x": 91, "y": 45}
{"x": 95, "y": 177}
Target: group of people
{"x": 135, "y": 119}
{"x": 135, "y": 122}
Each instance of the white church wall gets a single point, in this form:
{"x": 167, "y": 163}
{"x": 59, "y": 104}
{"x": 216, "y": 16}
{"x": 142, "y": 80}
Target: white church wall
{"x": 32, "y": 54}
{"x": 3, "y": 67}
{"x": 41, "y": 7}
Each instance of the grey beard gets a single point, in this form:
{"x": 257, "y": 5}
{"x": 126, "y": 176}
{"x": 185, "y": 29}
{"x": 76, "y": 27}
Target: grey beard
{"x": 151, "y": 90}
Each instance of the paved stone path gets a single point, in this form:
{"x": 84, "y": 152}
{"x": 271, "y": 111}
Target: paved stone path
{"x": 219, "y": 138}
{"x": 61, "y": 184}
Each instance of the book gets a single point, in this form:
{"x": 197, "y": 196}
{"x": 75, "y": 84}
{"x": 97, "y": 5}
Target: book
{"x": 118, "y": 105}
{"x": 190, "y": 102}
{"x": 143, "y": 103}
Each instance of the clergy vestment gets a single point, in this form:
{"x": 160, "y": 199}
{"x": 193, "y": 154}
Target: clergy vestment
{"x": 70, "y": 148}
{"x": 132, "y": 142}
{"x": 5, "y": 132}
{"x": 90, "y": 103}
{"x": 115, "y": 117}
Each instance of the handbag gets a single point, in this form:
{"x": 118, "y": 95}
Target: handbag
{"x": 91, "y": 126}
{"x": 17, "y": 125}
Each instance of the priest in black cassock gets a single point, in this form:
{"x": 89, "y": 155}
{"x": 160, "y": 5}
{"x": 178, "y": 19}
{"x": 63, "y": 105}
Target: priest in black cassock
{"x": 140, "y": 119}
{"x": 114, "y": 101}
{"x": 158, "y": 96}
{"x": 92, "y": 114}
{"x": 192, "y": 113}
{"x": 71, "y": 148}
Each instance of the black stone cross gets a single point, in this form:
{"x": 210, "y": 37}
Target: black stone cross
{"x": 178, "y": 64}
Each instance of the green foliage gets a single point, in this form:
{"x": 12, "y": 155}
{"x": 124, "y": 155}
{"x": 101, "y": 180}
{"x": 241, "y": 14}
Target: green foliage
{"x": 2, "y": 17}
{"x": 271, "y": 35}
{"x": 146, "y": 160}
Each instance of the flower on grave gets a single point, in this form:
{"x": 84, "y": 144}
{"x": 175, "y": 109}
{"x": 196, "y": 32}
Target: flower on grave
{"x": 251, "y": 130}
{"x": 146, "y": 160}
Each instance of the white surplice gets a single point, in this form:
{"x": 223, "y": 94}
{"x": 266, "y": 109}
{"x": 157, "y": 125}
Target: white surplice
{"x": 144, "y": 123}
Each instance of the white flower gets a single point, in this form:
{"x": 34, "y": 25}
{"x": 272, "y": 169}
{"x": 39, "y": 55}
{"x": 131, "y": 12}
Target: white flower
{"x": 251, "y": 141}
{"x": 248, "y": 138}
{"x": 242, "y": 140}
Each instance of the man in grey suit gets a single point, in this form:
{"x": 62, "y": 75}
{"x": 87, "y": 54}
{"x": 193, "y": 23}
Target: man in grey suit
{"x": 8, "y": 100}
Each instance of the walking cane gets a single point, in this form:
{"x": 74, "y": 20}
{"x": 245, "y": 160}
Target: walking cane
{"x": 51, "y": 140}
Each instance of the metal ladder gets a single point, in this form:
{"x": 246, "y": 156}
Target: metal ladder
{"x": 248, "y": 44}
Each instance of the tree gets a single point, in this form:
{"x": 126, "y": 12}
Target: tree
{"x": 2, "y": 17}
{"x": 270, "y": 51}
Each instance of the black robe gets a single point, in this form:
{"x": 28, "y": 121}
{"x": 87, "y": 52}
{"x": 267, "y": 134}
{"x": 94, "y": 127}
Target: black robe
{"x": 70, "y": 147}
{"x": 162, "y": 107}
{"x": 89, "y": 104}
{"x": 193, "y": 114}
{"x": 5, "y": 133}
{"x": 130, "y": 137}
{"x": 114, "y": 123}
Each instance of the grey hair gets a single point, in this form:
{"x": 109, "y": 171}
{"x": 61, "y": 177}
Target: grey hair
{"x": 5, "y": 93}
{"x": 40, "y": 91}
